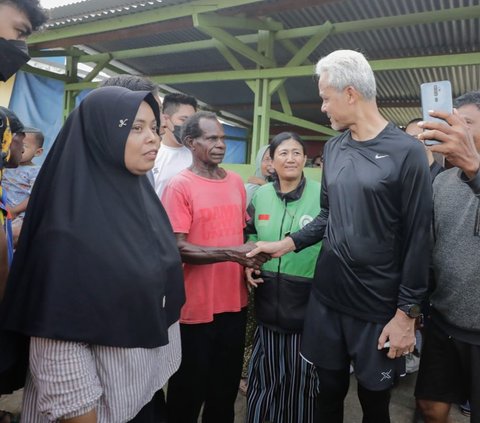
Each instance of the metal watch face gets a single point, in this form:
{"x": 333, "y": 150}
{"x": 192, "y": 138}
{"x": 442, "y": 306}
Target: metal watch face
{"x": 414, "y": 310}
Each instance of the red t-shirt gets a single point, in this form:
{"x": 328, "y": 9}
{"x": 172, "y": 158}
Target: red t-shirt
{"x": 212, "y": 213}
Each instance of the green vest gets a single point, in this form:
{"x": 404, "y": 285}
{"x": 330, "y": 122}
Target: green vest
{"x": 274, "y": 219}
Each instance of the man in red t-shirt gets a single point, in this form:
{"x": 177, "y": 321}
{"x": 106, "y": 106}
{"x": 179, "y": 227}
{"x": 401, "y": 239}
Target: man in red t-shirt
{"x": 206, "y": 207}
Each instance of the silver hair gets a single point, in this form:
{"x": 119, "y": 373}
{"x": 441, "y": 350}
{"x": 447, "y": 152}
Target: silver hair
{"x": 348, "y": 67}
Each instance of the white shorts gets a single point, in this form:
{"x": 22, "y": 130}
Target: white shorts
{"x": 68, "y": 379}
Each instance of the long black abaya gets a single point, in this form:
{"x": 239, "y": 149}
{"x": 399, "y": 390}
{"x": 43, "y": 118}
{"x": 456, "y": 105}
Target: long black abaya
{"x": 97, "y": 260}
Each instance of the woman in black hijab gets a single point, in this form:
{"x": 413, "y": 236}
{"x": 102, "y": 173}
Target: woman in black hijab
{"x": 96, "y": 281}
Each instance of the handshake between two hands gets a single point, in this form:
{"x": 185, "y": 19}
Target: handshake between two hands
{"x": 261, "y": 252}
{"x": 251, "y": 256}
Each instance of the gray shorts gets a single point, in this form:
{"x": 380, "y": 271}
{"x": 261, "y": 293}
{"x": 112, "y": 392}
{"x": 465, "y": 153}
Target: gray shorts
{"x": 68, "y": 379}
{"x": 331, "y": 340}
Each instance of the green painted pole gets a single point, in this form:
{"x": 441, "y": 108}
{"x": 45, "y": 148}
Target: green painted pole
{"x": 292, "y": 120}
{"x": 233, "y": 43}
{"x": 44, "y": 73}
{"x": 233, "y": 62}
{"x": 302, "y": 71}
{"x": 302, "y": 54}
{"x": 69, "y": 96}
{"x": 263, "y": 100}
{"x": 283, "y": 96}
{"x": 95, "y": 71}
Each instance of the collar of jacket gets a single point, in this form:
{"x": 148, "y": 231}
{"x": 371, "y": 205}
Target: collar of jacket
{"x": 294, "y": 195}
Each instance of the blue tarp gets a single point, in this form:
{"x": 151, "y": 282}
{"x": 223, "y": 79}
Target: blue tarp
{"x": 38, "y": 102}
{"x": 237, "y": 147}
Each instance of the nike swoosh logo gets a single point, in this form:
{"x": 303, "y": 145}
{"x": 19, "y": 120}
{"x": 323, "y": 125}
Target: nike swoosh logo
{"x": 380, "y": 156}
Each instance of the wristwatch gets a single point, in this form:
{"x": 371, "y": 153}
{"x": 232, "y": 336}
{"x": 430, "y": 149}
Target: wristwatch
{"x": 411, "y": 310}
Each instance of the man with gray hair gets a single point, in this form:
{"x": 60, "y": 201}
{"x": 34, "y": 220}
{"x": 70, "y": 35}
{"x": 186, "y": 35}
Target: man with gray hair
{"x": 371, "y": 274}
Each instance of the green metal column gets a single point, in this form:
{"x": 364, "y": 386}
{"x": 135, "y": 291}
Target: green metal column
{"x": 263, "y": 99}
{"x": 69, "y": 95}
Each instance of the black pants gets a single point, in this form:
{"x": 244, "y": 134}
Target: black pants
{"x": 449, "y": 370}
{"x": 212, "y": 356}
{"x": 153, "y": 412}
{"x": 333, "y": 390}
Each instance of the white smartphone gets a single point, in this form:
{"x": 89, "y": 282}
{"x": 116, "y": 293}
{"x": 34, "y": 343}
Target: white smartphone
{"x": 436, "y": 96}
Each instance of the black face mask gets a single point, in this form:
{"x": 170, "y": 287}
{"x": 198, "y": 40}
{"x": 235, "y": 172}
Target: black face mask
{"x": 176, "y": 133}
{"x": 13, "y": 55}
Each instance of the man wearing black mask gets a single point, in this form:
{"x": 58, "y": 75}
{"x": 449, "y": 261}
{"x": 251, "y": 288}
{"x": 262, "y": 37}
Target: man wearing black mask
{"x": 18, "y": 19}
{"x": 173, "y": 156}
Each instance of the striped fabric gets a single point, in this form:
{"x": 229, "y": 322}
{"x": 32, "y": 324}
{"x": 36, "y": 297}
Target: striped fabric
{"x": 282, "y": 387}
{"x": 68, "y": 379}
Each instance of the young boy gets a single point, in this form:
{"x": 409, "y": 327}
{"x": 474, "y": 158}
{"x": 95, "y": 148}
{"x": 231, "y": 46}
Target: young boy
{"x": 18, "y": 182}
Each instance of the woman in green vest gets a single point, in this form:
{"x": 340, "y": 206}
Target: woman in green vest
{"x": 282, "y": 387}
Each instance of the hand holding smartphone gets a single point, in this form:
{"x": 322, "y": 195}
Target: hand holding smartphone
{"x": 436, "y": 96}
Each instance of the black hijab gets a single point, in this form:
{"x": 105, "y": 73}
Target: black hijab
{"x": 97, "y": 260}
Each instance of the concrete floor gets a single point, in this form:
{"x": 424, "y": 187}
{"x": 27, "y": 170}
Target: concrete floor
{"x": 401, "y": 408}
{"x": 402, "y": 405}
{"x": 12, "y": 403}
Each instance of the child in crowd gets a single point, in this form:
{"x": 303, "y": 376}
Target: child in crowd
{"x": 13, "y": 132}
{"x": 18, "y": 182}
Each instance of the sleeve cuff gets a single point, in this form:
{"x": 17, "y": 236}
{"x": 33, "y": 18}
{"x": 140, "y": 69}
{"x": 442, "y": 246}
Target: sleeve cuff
{"x": 296, "y": 241}
{"x": 473, "y": 183}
